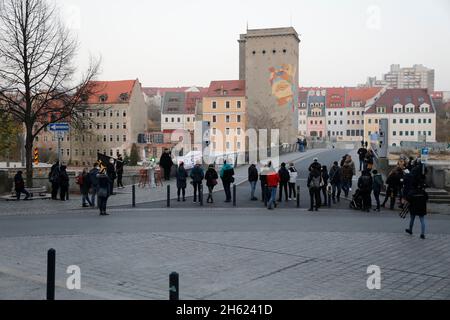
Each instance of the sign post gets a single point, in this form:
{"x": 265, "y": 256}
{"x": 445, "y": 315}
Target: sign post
{"x": 59, "y": 129}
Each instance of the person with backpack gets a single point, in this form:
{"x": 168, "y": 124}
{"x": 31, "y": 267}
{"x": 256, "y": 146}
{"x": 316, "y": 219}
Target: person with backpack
{"x": 365, "y": 185}
{"x": 293, "y": 174}
{"x": 84, "y": 182}
{"x": 181, "y": 182}
{"x": 54, "y": 180}
{"x": 63, "y": 183}
{"x": 335, "y": 177}
{"x": 227, "y": 176}
{"x": 211, "y": 177}
{"x": 19, "y": 185}
{"x": 197, "y": 175}
{"x": 377, "y": 187}
{"x": 253, "y": 180}
{"x": 283, "y": 173}
{"x": 368, "y": 160}
{"x": 273, "y": 179}
{"x": 94, "y": 183}
{"x": 417, "y": 201}
{"x": 314, "y": 185}
{"x": 104, "y": 188}
{"x": 325, "y": 179}
{"x": 112, "y": 175}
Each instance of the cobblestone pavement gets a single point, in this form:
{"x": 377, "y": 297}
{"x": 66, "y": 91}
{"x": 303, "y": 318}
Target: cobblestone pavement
{"x": 230, "y": 265}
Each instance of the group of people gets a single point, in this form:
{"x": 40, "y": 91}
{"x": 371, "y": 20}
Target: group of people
{"x": 302, "y": 144}
{"x": 198, "y": 175}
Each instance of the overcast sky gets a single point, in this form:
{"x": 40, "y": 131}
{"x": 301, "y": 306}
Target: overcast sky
{"x": 182, "y": 42}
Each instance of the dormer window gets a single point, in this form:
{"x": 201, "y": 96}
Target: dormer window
{"x": 103, "y": 98}
{"x": 225, "y": 92}
{"x": 124, "y": 97}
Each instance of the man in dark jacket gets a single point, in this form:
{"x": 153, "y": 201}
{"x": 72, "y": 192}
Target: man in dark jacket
{"x": 227, "y": 176}
{"x": 362, "y": 155}
{"x": 197, "y": 175}
{"x": 85, "y": 184}
{"x": 54, "y": 179}
{"x": 63, "y": 183}
{"x": 393, "y": 187}
{"x": 119, "y": 170}
{"x": 284, "y": 175}
{"x": 112, "y": 175}
{"x": 166, "y": 163}
{"x": 253, "y": 179}
{"x": 315, "y": 165}
{"x": 94, "y": 183}
{"x": 314, "y": 185}
{"x": 181, "y": 182}
{"x": 19, "y": 185}
{"x": 377, "y": 187}
{"x": 417, "y": 201}
{"x": 336, "y": 181}
{"x": 365, "y": 185}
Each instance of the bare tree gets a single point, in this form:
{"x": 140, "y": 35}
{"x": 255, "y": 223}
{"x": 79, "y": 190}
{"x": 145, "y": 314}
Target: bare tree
{"x": 37, "y": 77}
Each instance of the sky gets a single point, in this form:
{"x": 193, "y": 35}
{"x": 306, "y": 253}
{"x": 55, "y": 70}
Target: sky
{"x": 184, "y": 43}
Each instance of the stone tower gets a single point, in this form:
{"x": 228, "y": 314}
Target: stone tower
{"x": 269, "y": 64}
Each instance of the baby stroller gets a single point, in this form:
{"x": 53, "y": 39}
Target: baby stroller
{"x": 357, "y": 201}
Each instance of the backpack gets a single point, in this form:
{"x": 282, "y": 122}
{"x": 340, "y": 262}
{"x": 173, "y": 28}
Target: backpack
{"x": 79, "y": 179}
{"x": 316, "y": 182}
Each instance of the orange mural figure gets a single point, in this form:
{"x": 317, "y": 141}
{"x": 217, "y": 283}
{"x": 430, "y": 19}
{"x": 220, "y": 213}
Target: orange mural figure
{"x": 282, "y": 82}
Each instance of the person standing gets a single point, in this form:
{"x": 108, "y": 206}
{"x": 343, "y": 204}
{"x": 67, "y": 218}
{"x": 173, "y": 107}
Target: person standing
{"x": 119, "y": 170}
{"x": 112, "y": 175}
{"x": 84, "y": 182}
{"x": 347, "y": 176}
{"x": 305, "y": 144}
{"x": 393, "y": 185}
{"x": 368, "y": 160}
{"x": 293, "y": 174}
{"x": 211, "y": 177}
{"x": 362, "y": 155}
{"x": 54, "y": 180}
{"x": 336, "y": 181}
{"x": 314, "y": 184}
{"x": 378, "y": 184}
{"x": 417, "y": 201}
{"x": 166, "y": 163}
{"x": 365, "y": 185}
{"x": 325, "y": 178}
{"x": 181, "y": 182}
{"x": 263, "y": 179}
{"x": 197, "y": 176}
{"x": 227, "y": 176}
{"x": 94, "y": 183}
{"x": 283, "y": 173}
{"x": 63, "y": 183}
{"x": 315, "y": 165}
{"x": 273, "y": 179}
{"x": 253, "y": 180}
{"x": 103, "y": 192}
{"x": 19, "y": 185}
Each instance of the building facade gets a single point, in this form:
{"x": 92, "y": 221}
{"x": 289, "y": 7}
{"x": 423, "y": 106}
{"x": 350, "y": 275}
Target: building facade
{"x": 269, "y": 64}
{"x": 316, "y": 122}
{"x": 113, "y": 118}
{"x": 410, "y": 113}
{"x": 336, "y": 117}
{"x": 415, "y": 77}
{"x": 225, "y": 108}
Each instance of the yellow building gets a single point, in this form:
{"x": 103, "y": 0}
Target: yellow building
{"x": 224, "y": 106}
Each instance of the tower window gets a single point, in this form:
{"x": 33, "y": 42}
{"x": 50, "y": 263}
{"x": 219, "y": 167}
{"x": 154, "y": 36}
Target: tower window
{"x": 264, "y": 52}
{"x": 274, "y": 51}
{"x": 254, "y": 52}
{"x": 284, "y": 50}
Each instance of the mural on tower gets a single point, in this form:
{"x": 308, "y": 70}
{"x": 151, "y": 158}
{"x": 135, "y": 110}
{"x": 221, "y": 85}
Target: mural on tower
{"x": 283, "y": 84}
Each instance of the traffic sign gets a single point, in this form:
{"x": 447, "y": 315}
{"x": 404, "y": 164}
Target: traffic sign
{"x": 62, "y": 127}
{"x": 424, "y": 154}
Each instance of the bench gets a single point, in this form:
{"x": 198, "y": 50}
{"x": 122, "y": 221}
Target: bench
{"x": 41, "y": 191}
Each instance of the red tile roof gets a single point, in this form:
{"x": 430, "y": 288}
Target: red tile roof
{"x": 232, "y": 88}
{"x": 191, "y": 100}
{"x": 153, "y": 91}
{"x": 360, "y": 94}
{"x": 401, "y": 96}
{"x": 112, "y": 91}
{"x": 336, "y": 97}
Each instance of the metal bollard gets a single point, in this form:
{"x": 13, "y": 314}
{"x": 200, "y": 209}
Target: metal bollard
{"x": 234, "y": 195}
{"x": 200, "y": 194}
{"x": 133, "y": 196}
{"x": 51, "y": 261}
{"x": 174, "y": 287}
{"x": 298, "y": 196}
{"x": 168, "y": 196}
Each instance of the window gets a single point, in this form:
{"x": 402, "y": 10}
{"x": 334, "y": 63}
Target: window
{"x": 420, "y": 121}
{"x": 214, "y": 131}
{"x": 178, "y": 119}
{"x": 227, "y": 104}
{"x": 214, "y": 119}
{"x": 407, "y": 121}
{"x": 429, "y": 133}
{"x": 238, "y": 131}
{"x": 394, "y": 121}
{"x": 401, "y": 121}
{"x": 394, "y": 133}
{"x": 118, "y": 138}
{"x": 110, "y": 138}
{"x": 239, "y": 118}
{"x": 124, "y": 114}
{"x": 172, "y": 120}
{"x": 227, "y": 131}
{"x": 429, "y": 120}
{"x": 239, "y": 104}
{"x": 401, "y": 133}
{"x": 104, "y": 126}
{"x": 104, "y": 138}
{"x": 239, "y": 145}
{"x": 117, "y": 125}
{"x": 411, "y": 133}
{"x": 117, "y": 114}
{"x": 188, "y": 119}
{"x": 227, "y": 119}
{"x": 124, "y": 125}
{"x": 124, "y": 138}
{"x": 370, "y": 121}
{"x": 111, "y": 125}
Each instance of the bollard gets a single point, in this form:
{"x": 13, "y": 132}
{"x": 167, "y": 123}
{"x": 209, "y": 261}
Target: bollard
{"x": 51, "y": 260}
{"x": 174, "y": 288}
{"x": 298, "y": 196}
{"x": 234, "y": 195}
{"x": 168, "y": 196}
{"x": 200, "y": 194}
{"x": 133, "y": 196}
